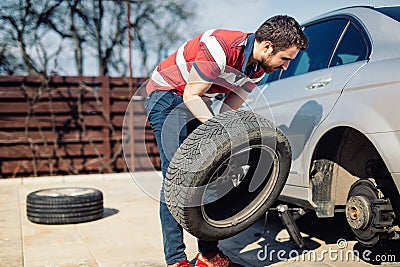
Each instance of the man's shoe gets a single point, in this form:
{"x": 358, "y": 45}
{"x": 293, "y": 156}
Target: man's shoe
{"x": 183, "y": 263}
{"x": 219, "y": 260}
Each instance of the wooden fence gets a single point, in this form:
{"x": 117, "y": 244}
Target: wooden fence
{"x": 72, "y": 125}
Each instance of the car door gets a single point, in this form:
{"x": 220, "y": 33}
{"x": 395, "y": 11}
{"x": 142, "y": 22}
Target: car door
{"x": 306, "y": 92}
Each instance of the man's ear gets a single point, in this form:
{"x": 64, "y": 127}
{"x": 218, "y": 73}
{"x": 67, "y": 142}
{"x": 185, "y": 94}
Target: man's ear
{"x": 267, "y": 47}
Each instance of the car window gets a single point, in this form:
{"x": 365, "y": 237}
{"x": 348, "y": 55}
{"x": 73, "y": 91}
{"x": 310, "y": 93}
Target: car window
{"x": 273, "y": 76}
{"x": 393, "y": 12}
{"x": 323, "y": 38}
{"x": 263, "y": 80}
{"x": 351, "y": 48}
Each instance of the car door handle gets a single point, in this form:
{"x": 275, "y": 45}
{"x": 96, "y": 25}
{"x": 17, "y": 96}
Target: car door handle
{"x": 320, "y": 84}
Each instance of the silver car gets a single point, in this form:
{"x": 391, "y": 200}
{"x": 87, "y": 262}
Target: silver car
{"x": 338, "y": 105}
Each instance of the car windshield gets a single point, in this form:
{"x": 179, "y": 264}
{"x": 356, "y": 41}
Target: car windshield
{"x": 393, "y": 12}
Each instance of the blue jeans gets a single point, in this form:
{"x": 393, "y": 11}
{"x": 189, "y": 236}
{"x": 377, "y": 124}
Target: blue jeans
{"x": 172, "y": 122}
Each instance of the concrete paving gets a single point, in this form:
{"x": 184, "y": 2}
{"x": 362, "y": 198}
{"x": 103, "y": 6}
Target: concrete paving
{"x": 129, "y": 233}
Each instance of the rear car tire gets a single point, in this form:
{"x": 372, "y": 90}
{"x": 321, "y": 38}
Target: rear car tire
{"x": 227, "y": 174}
{"x": 64, "y": 205}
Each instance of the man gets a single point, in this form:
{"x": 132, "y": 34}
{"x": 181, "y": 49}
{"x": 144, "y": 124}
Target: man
{"x": 178, "y": 100}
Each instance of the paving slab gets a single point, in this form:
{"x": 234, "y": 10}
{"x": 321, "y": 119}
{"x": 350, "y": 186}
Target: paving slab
{"x": 129, "y": 234}
{"x": 11, "y": 248}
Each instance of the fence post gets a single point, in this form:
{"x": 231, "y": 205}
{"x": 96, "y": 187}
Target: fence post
{"x": 105, "y": 94}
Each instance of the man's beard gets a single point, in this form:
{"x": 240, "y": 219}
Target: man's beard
{"x": 266, "y": 67}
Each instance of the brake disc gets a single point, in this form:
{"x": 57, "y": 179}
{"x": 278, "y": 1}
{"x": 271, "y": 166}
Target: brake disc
{"x": 359, "y": 214}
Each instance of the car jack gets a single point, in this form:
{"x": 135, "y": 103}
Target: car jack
{"x": 289, "y": 221}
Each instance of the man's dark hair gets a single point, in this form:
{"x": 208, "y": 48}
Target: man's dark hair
{"x": 283, "y": 32}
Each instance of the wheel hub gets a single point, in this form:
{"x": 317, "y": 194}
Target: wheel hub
{"x": 241, "y": 188}
{"x": 358, "y": 212}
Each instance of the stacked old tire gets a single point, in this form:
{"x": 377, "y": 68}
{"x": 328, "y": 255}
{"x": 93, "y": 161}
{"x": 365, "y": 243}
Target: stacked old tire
{"x": 67, "y": 205}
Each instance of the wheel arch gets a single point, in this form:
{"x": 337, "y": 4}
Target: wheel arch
{"x": 351, "y": 149}
{"x": 351, "y": 155}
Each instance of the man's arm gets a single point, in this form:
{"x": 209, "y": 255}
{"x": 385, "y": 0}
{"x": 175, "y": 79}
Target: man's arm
{"x": 194, "y": 89}
{"x": 234, "y": 100}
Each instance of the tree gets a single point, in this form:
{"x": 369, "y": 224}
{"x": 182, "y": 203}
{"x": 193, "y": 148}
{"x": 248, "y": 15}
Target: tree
{"x": 37, "y": 36}
{"x": 23, "y": 35}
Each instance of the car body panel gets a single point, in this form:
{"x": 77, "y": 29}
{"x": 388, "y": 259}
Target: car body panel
{"x": 396, "y": 178}
{"x": 302, "y": 196}
{"x": 371, "y": 87}
{"x": 388, "y": 143}
{"x": 297, "y": 110}
{"x": 363, "y": 107}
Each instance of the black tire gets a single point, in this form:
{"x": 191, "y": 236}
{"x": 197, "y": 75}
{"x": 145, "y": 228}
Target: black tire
{"x": 64, "y": 205}
{"x": 205, "y": 162}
